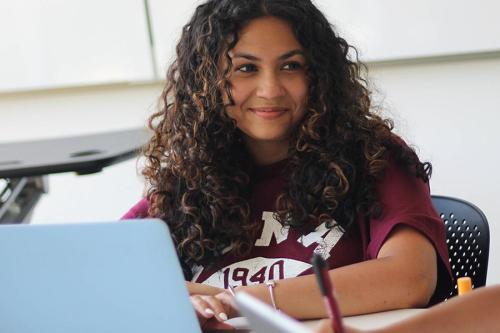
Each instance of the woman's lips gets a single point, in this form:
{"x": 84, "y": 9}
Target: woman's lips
{"x": 268, "y": 112}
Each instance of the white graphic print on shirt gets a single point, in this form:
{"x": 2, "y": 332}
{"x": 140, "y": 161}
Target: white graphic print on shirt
{"x": 256, "y": 270}
{"x": 260, "y": 269}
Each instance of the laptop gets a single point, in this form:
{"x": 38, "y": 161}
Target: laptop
{"x": 264, "y": 319}
{"x": 108, "y": 277}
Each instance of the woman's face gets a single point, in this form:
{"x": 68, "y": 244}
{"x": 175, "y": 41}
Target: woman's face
{"x": 268, "y": 81}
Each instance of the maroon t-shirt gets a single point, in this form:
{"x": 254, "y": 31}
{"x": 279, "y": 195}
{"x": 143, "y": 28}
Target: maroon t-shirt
{"x": 281, "y": 252}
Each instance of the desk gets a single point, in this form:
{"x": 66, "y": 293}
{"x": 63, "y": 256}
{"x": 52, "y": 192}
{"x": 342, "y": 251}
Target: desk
{"x": 368, "y": 321}
{"x": 24, "y": 166}
{"x": 380, "y": 319}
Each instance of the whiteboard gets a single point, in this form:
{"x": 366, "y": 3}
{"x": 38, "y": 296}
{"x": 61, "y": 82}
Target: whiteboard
{"x": 54, "y": 43}
{"x": 397, "y": 29}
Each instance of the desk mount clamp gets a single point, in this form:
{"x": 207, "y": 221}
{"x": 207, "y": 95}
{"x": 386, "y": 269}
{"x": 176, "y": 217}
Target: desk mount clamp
{"x": 19, "y": 196}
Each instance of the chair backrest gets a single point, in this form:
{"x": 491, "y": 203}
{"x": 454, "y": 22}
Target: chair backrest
{"x": 467, "y": 237}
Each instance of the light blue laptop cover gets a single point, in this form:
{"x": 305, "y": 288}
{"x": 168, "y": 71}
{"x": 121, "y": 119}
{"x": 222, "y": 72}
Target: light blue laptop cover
{"x": 108, "y": 277}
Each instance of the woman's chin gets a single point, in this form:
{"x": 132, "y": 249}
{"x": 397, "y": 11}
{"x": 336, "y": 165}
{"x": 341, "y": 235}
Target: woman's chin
{"x": 268, "y": 138}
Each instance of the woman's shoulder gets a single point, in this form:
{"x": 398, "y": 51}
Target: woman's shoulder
{"x": 137, "y": 211}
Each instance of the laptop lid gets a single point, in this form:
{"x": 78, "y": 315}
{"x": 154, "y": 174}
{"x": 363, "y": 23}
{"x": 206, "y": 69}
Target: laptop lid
{"x": 264, "y": 319}
{"x": 99, "y": 277}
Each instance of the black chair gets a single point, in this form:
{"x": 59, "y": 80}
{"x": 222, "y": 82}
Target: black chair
{"x": 467, "y": 236}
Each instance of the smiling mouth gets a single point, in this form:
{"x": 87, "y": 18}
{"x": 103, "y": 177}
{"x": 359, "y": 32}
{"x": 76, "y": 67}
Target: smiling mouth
{"x": 269, "y": 112}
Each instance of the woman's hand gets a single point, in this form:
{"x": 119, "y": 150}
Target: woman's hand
{"x": 219, "y": 307}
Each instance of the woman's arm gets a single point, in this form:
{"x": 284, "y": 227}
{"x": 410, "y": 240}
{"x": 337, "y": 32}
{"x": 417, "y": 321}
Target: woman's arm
{"x": 474, "y": 312}
{"x": 403, "y": 275}
{"x": 202, "y": 289}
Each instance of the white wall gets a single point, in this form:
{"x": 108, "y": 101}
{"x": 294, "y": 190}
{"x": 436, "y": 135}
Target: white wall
{"x": 447, "y": 107}
{"x": 53, "y": 113}
{"x": 55, "y": 43}
{"x": 450, "y": 111}
{"x": 395, "y": 29}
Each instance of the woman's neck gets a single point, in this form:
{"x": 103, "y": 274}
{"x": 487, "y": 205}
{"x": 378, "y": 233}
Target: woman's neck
{"x": 267, "y": 152}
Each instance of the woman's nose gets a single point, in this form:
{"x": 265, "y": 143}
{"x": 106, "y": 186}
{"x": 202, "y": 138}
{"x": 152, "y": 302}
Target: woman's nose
{"x": 270, "y": 86}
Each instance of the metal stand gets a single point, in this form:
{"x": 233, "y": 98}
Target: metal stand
{"x": 19, "y": 196}
{"x": 24, "y": 165}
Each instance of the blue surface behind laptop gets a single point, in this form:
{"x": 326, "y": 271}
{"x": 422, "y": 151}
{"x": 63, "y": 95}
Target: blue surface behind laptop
{"x": 101, "y": 277}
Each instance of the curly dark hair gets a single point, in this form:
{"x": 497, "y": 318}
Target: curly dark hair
{"x": 197, "y": 167}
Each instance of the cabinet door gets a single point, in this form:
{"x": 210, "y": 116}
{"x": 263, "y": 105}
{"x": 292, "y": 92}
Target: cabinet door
{"x": 55, "y": 43}
{"x": 167, "y": 19}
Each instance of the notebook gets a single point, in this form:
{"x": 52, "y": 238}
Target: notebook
{"x": 264, "y": 319}
{"x": 108, "y": 277}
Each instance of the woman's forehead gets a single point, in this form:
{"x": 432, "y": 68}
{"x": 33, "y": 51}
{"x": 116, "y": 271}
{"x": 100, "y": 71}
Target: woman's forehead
{"x": 268, "y": 35}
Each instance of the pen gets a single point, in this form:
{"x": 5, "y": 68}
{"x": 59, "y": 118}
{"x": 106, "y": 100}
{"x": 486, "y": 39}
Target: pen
{"x": 231, "y": 290}
{"x": 325, "y": 286}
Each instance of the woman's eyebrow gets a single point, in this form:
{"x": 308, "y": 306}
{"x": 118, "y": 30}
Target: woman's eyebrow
{"x": 247, "y": 56}
{"x": 284, "y": 56}
{"x": 291, "y": 54}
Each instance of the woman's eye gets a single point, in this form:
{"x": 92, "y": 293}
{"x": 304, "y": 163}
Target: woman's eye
{"x": 290, "y": 66}
{"x": 247, "y": 68}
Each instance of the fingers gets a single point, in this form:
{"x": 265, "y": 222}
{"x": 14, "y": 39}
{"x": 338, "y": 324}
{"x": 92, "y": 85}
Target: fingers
{"x": 199, "y": 308}
{"x": 229, "y": 303}
{"x": 202, "y": 307}
{"x": 217, "y": 307}
{"x": 209, "y": 307}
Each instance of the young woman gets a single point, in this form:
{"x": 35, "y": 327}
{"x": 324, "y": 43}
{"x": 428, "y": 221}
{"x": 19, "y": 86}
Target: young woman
{"x": 266, "y": 149}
